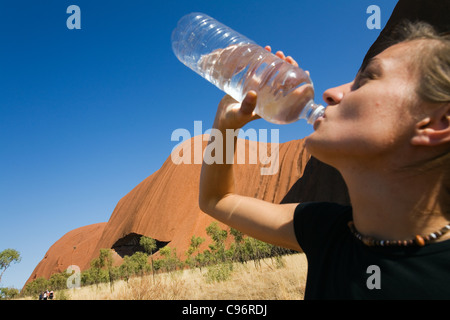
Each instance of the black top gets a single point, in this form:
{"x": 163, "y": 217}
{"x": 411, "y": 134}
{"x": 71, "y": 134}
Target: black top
{"x": 342, "y": 267}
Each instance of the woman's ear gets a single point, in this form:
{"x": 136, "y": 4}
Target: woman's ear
{"x": 433, "y": 130}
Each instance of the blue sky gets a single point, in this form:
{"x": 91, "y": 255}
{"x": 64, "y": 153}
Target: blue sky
{"x": 86, "y": 115}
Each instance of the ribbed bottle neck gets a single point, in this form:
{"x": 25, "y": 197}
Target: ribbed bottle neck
{"x": 312, "y": 111}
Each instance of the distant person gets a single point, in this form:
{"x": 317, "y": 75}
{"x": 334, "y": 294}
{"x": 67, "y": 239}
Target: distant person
{"x": 388, "y": 134}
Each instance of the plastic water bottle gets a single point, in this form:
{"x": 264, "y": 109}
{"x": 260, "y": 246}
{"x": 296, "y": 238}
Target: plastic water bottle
{"x": 236, "y": 65}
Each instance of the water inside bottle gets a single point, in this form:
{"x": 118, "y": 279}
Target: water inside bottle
{"x": 283, "y": 90}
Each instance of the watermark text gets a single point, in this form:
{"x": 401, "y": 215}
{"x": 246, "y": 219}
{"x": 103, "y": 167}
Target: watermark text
{"x": 374, "y": 20}
{"x": 74, "y": 281}
{"x": 74, "y": 20}
{"x": 222, "y": 149}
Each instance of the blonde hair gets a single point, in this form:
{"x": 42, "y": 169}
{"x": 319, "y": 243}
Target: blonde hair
{"x": 431, "y": 58}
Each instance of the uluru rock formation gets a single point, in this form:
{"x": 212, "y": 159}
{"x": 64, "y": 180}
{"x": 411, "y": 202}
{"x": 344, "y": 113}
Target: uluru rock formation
{"x": 165, "y": 205}
{"x": 73, "y": 247}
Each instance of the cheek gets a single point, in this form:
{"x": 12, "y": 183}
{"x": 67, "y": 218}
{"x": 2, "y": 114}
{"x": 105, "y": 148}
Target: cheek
{"x": 353, "y": 134}
{"x": 365, "y": 123}
{"x": 371, "y": 118}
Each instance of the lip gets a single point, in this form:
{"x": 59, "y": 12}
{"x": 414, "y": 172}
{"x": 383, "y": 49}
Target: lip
{"x": 318, "y": 121}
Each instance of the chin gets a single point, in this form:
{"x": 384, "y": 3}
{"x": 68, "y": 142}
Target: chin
{"x": 314, "y": 146}
{"x": 321, "y": 150}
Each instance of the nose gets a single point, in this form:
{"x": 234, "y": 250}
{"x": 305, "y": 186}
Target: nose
{"x": 334, "y": 95}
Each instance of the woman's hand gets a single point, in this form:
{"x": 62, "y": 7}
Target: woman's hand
{"x": 281, "y": 55}
{"x": 234, "y": 115}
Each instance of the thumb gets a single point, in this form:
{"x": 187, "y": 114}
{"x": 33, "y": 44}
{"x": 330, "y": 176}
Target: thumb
{"x": 249, "y": 103}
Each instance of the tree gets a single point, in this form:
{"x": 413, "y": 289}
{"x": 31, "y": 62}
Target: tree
{"x": 195, "y": 244}
{"x": 170, "y": 262}
{"x": 36, "y": 286}
{"x": 127, "y": 268}
{"x": 58, "y": 281}
{"x": 218, "y": 236}
{"x": 150, "y": 246}
{"x": 257, "y": 250}
{"x": 106, "y": 259}
{"x": 195, "y": 261}
{"x": 101, "y": 266}
{"x": 7, "y": 257}
{"x": 134, "y": 265}
{"x": 237, "y": 248}
{"x": 139, "y": 262}
{"x": 8, "y": 293}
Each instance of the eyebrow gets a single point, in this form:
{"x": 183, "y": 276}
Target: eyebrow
{"x": 375, "y": 67}
{"x": 374, "y": 64}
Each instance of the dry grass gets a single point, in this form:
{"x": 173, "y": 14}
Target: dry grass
{"x": 248, "y": 282}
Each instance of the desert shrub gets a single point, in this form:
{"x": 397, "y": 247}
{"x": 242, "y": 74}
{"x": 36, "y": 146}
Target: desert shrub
{"x": 217, "y": 248}
{"x": 8, "y": 293}
{"x": 170, "y": 261}
{"x": 35, "y": 287}
{"x": 194, "y": 257}
{"x": 62, "y": 295}
{"x": 58, "y": 281}
{"x": 135, "y": 265}
{"x": 219, "y": 272}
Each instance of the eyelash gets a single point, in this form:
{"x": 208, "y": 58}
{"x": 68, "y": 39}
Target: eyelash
{"x": 363, "y": 77}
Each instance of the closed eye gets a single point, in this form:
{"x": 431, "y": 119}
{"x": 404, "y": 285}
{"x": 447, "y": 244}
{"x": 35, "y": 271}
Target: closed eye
{"x": 371, "y": 72}
{"x": 364, "y": 77}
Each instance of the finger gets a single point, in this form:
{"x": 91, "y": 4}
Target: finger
{"x": 280, "y": 54}
{"x": 255, "y": 116}
{"x": 291, "y": 61}
{"x": 227, "y": 99}
{"x": 249, "y": 103}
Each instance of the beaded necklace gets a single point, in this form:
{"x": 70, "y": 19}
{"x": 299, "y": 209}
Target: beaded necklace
{"x": 418, "y": 240}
